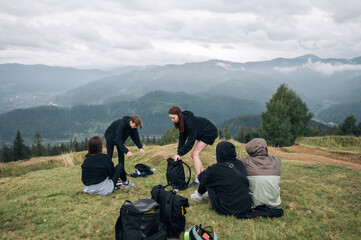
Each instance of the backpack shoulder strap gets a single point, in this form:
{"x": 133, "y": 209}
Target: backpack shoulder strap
{"x": 189, "y": 178}
{"x": 231, "y": 165}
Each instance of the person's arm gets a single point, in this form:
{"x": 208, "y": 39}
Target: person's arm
{"x": 119, "y": 137}
{"x": 134, "y": 135}
{"x": 206, "y": 177}
{"x": 191, "y": 135}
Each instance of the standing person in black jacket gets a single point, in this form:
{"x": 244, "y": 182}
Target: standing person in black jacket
{"x": 99, "y": 175}
{"x": 226, "y": 183}
{"x": 193, "y": 131}
{"x": 119, "y": 131}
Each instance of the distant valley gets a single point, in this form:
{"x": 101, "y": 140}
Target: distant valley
{"x": 331, "y": 89}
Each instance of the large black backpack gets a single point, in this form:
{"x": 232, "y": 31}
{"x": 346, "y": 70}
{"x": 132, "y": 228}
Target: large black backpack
{"x": 139, "y": 221}
{"x": 175, "y": 174}
{"x": 172, "y": 210}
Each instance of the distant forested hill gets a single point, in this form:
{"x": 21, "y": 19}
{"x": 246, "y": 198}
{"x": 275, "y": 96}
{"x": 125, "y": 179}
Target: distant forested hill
{"x": 254, "y": 121}
{"x": 338, "y": 112}
{"x": 57, "y": 124}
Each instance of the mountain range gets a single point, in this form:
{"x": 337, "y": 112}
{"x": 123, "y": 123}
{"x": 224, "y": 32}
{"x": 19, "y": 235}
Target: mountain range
{"x": 59, "y": 124}
{"x": 330, "y": 87}
{"x": 321, "y": 83}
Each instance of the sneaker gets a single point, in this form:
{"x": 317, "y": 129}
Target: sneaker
{"x": 196, "y": 196}
{"x": 193, "y": 184}
{"x": 119, "y": 183}
{"x": 205, "y": 195}
{"x": 128, "y": 184}
{"x": 116, "y": 188}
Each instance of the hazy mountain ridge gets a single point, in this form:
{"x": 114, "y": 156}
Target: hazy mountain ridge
{"x": 61, "y": 124}
{"x": 24, "y": 86}
{"x": 314, "y": 79}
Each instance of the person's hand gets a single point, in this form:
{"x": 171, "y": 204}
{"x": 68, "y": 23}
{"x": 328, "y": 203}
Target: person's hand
{"x": 176, "y": 157}
{"x": 129, "y": 154}
{"x": 142, "y": 151}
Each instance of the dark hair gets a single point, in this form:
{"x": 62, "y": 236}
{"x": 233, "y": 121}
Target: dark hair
{"x": 138, "y": 122}
{"x": 180, "y": 124}
{"x": 95, "y": 145}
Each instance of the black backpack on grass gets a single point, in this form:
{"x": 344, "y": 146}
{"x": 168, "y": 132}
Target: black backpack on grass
{"x": 139, "y": 221}
{"x": 172, "y": 210}
{"x": 175, "y": 174}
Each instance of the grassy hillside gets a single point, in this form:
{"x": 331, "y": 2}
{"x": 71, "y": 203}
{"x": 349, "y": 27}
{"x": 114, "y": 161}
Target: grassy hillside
{"x": 319, "y": 201}
{"x": 349, "y": 144}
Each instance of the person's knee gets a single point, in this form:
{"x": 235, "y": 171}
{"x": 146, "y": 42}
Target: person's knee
{"x": 195, "y": 154}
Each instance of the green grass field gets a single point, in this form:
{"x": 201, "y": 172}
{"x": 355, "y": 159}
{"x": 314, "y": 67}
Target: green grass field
{"x": 320, "y": 201}
{"x": 349, "y": 144}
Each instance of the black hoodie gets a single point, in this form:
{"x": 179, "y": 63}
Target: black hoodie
{"x": 227, "y": 188}
{"x": 194, "y": 127}
{"x": 119, "y": 131}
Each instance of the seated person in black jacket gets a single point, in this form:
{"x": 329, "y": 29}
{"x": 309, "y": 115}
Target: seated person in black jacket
{"x": 99, "y": 175}
{"x": 226, "y": 183}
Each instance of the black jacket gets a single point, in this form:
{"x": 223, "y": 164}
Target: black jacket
{"x": 227, "y": 188}
{"x": 119, "y": 131}
{"x": 96, "y": 169}
{"x": 194, "y": 128}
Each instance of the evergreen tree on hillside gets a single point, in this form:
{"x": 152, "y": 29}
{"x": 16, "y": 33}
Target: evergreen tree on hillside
{"x": 19, "y": 151}
{"x": 227, "y": 134}
{"x": 37, "y": 149}
{"x": 348, "y": 127}
{"x": 240, "y": 135}
{"x": 220, "y": 134}
{"x": 285, "y": 119}
{"x": 5, "y": 154}
{"x": 169, "y": 136}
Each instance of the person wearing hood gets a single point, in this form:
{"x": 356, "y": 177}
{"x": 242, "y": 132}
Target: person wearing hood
{"x": 99, "y": 175}
{"x": 225, "y": 182}
{"x": 117, "y": 134}
{"x": 263, "y": 173}
{"x": 193, "y": 131}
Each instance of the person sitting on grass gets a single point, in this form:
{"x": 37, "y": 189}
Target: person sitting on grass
{"x": 225, "y": 182}
{"x": 99, "y": 175}
{"x": 263, "y": 173}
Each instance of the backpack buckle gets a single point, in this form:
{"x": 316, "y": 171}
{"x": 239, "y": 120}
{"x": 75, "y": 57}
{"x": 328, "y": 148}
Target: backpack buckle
{"x": 231, "y": 165}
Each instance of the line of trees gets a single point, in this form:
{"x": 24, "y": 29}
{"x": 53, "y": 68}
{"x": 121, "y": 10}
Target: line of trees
{"x": 286, "y": 118}
{"x": 20, "y": 151}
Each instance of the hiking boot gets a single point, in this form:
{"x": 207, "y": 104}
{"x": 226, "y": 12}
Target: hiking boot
{"x": 196, "y": 196}
{"x": 193, "y": 184}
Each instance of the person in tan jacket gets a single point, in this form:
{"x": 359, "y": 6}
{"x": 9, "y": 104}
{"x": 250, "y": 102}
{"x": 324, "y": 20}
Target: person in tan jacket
{"x": 263, "y": 173}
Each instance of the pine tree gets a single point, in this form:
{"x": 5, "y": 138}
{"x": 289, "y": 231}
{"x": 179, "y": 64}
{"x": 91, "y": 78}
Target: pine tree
{"x": 348, "y": 127}
{"x": 220, "y": 134}
{"x": 37, "y": 149}
{"x": 5, "y": 154}
{"x": 240, "y": 135}
{"x": 20, "y": 150}
{"x": 227, "y": 134}
{"x": 285, "y": 119}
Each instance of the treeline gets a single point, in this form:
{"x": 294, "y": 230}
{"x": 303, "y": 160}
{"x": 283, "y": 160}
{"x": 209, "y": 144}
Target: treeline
{"x": 20, "y": 151}
{"x": 347, "y": 128}
{"x": 286, "y": 118}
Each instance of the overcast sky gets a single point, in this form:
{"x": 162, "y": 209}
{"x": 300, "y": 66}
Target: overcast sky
{"x": 109, "y": 33}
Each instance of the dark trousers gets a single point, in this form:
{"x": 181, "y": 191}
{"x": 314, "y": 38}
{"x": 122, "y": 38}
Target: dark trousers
{"x": 119, "y": 173}
{"x": 202, "y": 189}
{"x": 110, "y": 149}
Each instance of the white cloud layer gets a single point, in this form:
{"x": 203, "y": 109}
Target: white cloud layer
{"x": 97, "y": 34}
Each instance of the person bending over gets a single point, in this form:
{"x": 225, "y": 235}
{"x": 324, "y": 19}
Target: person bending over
{"x": 225, "y": 182}
{"x": 117, "y": 134}
{"x": 99, "y": 175}
{"x": 193, "y": 131}
{"x": 263, "y": 173}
